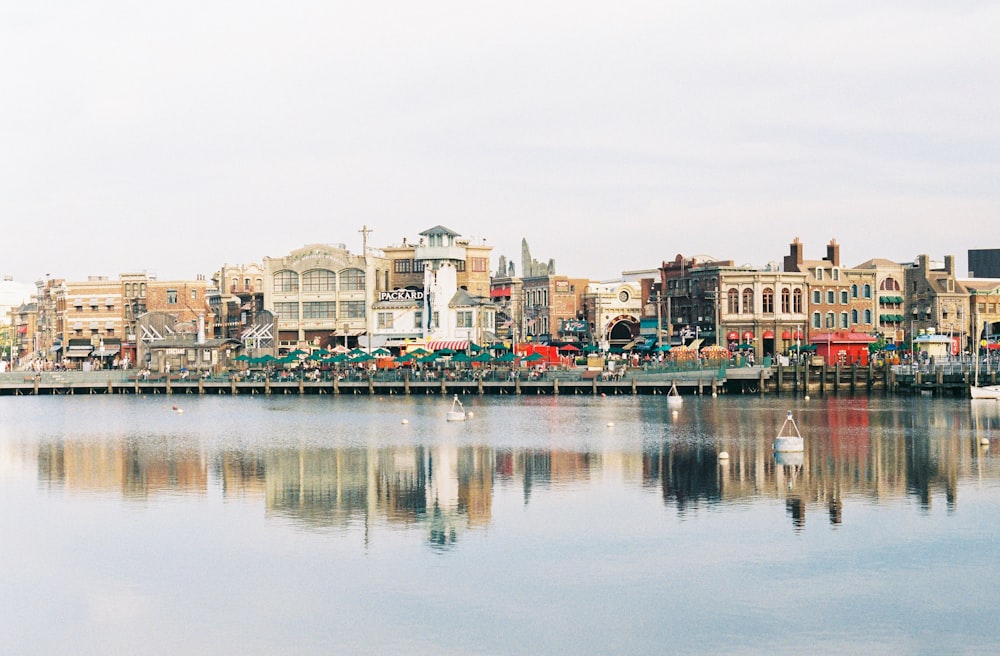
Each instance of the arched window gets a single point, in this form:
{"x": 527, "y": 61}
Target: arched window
{"x": 786, "y": 300}
{"x": 352, "y": 280}
{"x": 889, "y": 285}
{"x": 844, "y": 300}
{"x": 830, "y": 319}
{"x": 854, "y": 291}
{"x": 854, "y": 316}
{"x": 319, "y": 280}
{"x": 747, "y": 301}
{"x": 733, "y": 297}
{"x": 797, "y": 301}
{"x": 868, "y": 316}
{"x": 867, "y": 291}
{"x": 286, "y": 281}
{"x": 767, "y": 301}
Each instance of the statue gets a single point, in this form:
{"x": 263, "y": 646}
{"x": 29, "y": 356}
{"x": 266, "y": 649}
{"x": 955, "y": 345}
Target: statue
{"x": 532, "y": 268}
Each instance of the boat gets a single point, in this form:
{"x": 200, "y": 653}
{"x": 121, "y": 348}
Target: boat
{"x": 459, "y": 414}
{"x": 789, "y": 438}
{"x": 977, "y": 391}
{"x": 991, "y": 392}
{"x": 673, "y": 396}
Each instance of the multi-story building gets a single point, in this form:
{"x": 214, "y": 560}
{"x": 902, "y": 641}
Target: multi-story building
{"x": 889, "y": 280}
{"x": 984, "y": 263}
{"x": 321, "y": 295}
{"x": 613, "y": 311}
{"x": 553, "y": 308}
{"x": 984, "y": 299}
{"x": 436, "y": 246}
{"x": 937, "y": 301}
{"x": 238, "y": 295}
{"x": 93, "y": 321}
{"x": 840, "y": 298}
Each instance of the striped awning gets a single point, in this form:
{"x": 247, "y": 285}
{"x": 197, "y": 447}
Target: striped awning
{"x": 453, "y": 344}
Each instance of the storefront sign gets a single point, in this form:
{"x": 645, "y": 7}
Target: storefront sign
{"x": 402, "y": 295}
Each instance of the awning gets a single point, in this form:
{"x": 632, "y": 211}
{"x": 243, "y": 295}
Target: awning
{"x": 733, "y": 336}
{"x": 79, "y": 351}
{"x": 695, "y": 344}
{"x": 768, "y": 334}
{"x": 106, "y": 352}
{"x": 453, "y": 344}
{"x": 500, "y": 292}
{"x": 55, "y": 348}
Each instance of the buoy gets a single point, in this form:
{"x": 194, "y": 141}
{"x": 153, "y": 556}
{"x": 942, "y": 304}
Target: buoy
{"x": 673, "y": 413}
{"x": 469, "y": 415}
{"x": 610, "y": 424}
{"x": 723, "y": 455}
{"x": 806, "y": 397}
{"x": 714, "y": 394}
{"x": 603, "y": 394}
{"x": 984, "y": 441}
{"x": 404, "y": 422}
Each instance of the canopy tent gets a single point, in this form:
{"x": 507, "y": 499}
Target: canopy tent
{"x": 450, "y": 344}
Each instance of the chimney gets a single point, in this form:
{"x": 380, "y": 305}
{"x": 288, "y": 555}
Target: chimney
{"x": 949, "y": 265}
{"x": 201, "y": 328}
{"x": 833, "y": 252}
{"x": 793, "y": 261}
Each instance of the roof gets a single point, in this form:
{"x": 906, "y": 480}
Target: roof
{"x": 462, "y": 298}
{"x": 440, "y": 230}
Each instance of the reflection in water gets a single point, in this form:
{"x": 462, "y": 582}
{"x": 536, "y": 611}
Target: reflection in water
{"x": 443, "y": 489}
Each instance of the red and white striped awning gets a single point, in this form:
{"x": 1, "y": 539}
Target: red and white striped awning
{"x": 453, "y": 344}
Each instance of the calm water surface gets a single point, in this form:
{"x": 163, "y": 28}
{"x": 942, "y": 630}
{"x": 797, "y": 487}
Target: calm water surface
{"x": 583, "y": 525}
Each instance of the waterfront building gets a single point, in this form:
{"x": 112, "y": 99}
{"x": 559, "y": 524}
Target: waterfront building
{"x": 840, "y": 298}
{"x": 320, "y": 295}
{"x": 890, "y": 278}
{"x": 507, "y": 294}
{"x": 236, "y": 297}
{"x": 13, "y": 296}
{"x": 438, "y": 291}
{"x": 984, "y": 303}
{"x": 763, "y": 310}
{"x": 92, "y": 320}
{"x": 937, "y": 301}
{"x": 613, "y": 310}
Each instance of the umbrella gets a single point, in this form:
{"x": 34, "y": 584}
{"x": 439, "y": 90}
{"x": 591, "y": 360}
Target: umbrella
{"x": 507, "y": 357}
{"x": 430, "y": 357}
{"x": 444, "y": 351}
{"x": 406, "y": 357}
{"x": 482, "y": 357}
{"x": 288, "y": 359}
{"x": 664, "y": 348}
{"x": 568, "y": 347}
{"x": 461, "y": 357}
{"x": 475, "y": 348}
{"x": 267, "y": 357}
{"x": 382, "y": 353}
{"x": 534, "y": 357}
{"x": 242, "y": 357}
{"x": 355, "y": 352}
{"x": 590, "y": 348}
{"x": 364, "y": 357}
{"x": 318, "y": 355}
{"x": 297, "y": 353}
{"x": 419, "y": 351}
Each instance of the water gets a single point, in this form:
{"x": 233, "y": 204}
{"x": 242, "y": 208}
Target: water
{"x": 301, "y": 525}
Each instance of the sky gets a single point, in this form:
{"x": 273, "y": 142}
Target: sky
{"x": 177, "y": 137}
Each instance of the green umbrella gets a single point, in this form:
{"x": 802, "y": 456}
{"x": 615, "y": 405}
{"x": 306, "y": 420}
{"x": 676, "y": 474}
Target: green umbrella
{"x": 381, "y": 352}
{"x": 242, "y": 357}
{"x": 461, "y": 357}
{"x": 475, "y": 348}
{"x": 354, "y": 352}
{"x": 406, "y": 357}
{"x": 507, "y": 357}
{"x": 482, "y": 357}
{"x": 317, "y": 356}
{"x": 419, "y": 351}
{"x": 364, "y": 357}
{"x": 296, "y": 353}
{"x": 664, "y": 348}
{"x": 267, "y": 357}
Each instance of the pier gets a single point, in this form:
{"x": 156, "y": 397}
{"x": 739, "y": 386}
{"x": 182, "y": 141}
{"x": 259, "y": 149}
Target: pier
{"x": 941, "y": 380}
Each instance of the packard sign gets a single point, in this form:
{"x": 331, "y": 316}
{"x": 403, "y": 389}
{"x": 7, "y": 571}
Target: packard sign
{"x": 402, "y": 295}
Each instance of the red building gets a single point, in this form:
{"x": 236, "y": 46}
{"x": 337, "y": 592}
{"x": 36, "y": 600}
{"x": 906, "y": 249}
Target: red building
{"x": 842, "y": 346}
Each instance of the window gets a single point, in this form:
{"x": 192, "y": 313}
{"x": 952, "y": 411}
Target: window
{"x": 319, "y": 310}
{"x": 480, "y": 264}
{"x": 817, "y": 297}
{"x": 844, "y": 300}
{"x": 171, "y": 297}
{"x": 286, "y": 310}
{"x": 854, "y": 316}
{"x": 352, "y": 309}
{"x": 868, "y": 316}
{"x": 797, "y": 301}
{"x": 889, "y": 284}
{"x": 767, "y": 301}
{"x": 319, "y": 280}
{"x": 747, "y": 301}
{"x": 401, "y": 266}
{"x": 418, "y": 266}
{"x": 194, "y": 294}
{"x": 286, "y": 281}
{"x": 733, "y": 298}
{"x": 384, "y": 320}
{"x": 835, "y": 273}
{"x": 819, "y": 274}
{"x": 418, "y": 319}
{"x": 786, "y": 300}
{"x": 460, "y": 266}
{"x": 843, "y": 320}
{"x": 464, "y": 318}
{"x": 352, "y": 280}
{"x": 830, "y": 319}
{"x": 831, "y": 297}
{"x": 867, "y": 291}
{"x": 816, "y": 321}
{"x": 854, "y": 291}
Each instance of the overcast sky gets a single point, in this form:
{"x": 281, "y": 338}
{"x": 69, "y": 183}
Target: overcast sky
{"x": 174, "y": 137}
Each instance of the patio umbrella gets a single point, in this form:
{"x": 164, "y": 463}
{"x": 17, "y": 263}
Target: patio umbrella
{"x": 242, "y": 357}
{"x": 590, "y": 348}
{"x": 664, "y": 348}
{"x": 444, "y": 351}
{"x": 406, "y": 357}
{"x": 569, "y": 347}
{"x": 461, "y": 357}
{"x": 382, "y": 353}
{"x": 267, "y": 357}
{"x": 475, "y": 348}
{"x": 534, "y": 357}
{"x": 419, "y": 351}
{"x": 317, "y": 355}
{"x": 297, "y": 353}
{"x": 363, "y": 357}
{"x": 507, "y": 357}
{"x": 482, "y": 357}
{"x": 355, "y": 352}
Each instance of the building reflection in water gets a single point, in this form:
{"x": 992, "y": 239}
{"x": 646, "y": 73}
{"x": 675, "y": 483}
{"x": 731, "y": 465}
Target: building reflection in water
{"x": 447, "y": 490}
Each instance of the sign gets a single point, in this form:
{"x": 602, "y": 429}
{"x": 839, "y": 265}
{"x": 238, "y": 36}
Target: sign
{"x": 574, "y": 326}
{"x": 562, "y": 286}
{"x": 402, "y": 295}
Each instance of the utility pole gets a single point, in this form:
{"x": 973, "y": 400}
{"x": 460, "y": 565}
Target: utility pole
{"x": 365, "y": 231}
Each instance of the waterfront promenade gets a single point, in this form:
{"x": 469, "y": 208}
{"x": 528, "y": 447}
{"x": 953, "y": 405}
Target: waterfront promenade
{"x": 942, "y": 380}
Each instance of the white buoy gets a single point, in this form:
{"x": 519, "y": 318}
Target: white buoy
{"x": 470, "y": 415}
{"x": 673, "y": 413}
{"x": 984, "y": 441}
{"x": 404, "y": 421}
{"x": 723, "y": 455}
{"x": 806, "y": 397}
{"x": 714, "y": 395}
{"x": 610, "y": 424}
